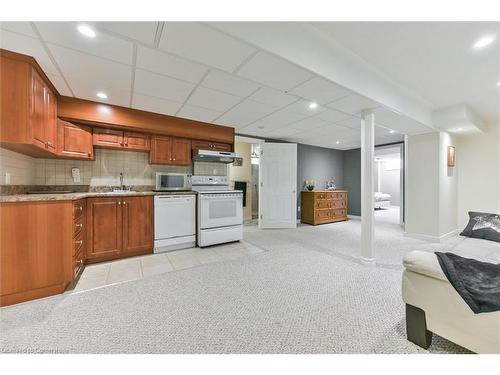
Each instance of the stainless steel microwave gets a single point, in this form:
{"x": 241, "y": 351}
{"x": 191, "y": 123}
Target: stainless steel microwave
{"x": 173, "y": 181}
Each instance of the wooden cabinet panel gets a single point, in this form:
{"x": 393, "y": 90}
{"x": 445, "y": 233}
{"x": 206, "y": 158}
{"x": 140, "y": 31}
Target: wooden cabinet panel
{"x": 137, "y": 224}
{"x": 104, "y": 227}
{"x": 321, "y": 207}
{"x": 161, "y": 149}
{"x": 181, "y": 151}
{"x": 74, "y": 141}
{"x": 136, "y": 141}
{"x": 107, "y": 138}
{"x": 35, "y": 243}
{"x": 50, "y": 126}
{"x": 207, "y": 145}
{"x": 38, "y": 109}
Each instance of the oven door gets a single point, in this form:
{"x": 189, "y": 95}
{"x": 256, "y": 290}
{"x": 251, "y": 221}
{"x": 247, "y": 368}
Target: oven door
{"x": 220, "y": 210}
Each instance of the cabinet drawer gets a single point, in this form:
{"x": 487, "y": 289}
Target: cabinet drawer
{"x": 77, "y": 263}
{"x": 321, "y": 195}
{"x": 78, "y": 225}
{"x": 339, "y": 203}
{"x": 78, "y": 243}
{"x": 321, "y": 215}
{"x": 323, "y": 204}
{"x": 339, "y": 213}
{"x": 78, "y": 209}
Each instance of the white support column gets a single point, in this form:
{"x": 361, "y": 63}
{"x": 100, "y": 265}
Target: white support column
{"x": 367, "y": 186}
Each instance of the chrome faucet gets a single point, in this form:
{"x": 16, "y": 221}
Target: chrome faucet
{"x": 121, "y": 182}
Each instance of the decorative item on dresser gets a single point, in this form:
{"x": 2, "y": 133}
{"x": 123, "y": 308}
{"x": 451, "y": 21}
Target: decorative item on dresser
{"x": 321, "y": 207}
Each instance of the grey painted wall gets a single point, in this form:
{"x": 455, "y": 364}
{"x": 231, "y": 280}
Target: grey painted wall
{"x": 320, "y": 164}
{"x": 352, "y": 179}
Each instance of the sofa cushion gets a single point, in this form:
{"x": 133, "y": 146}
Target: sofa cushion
{"x": 483, "y": 225}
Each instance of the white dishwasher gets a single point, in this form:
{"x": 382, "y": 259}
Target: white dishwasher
{"x": 175, "y": 222}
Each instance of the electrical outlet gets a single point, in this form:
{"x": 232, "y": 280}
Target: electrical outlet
{"x": 298, "y": 208}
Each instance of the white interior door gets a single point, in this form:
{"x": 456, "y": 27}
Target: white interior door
{"x": 278, "y": 185}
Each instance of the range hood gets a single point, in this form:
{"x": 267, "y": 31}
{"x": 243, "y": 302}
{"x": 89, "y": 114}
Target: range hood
{"x": 215, "y": 156}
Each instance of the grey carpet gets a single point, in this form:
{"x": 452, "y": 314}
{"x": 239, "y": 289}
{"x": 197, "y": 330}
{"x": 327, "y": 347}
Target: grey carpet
{"x": 295, "y": 298}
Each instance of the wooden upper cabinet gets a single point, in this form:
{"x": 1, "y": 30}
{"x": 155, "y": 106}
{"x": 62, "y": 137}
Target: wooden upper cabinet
{"x": 170, "y": 150}
{"x": 137, "y": 224}
{"x": 28, "y": 107}
{"x": 214, "y": 146}
{"x": 136, "y": 141}
{"x": 110, "y": 138}
{"x": 161, "y": 148}
{"x": 181, "y": 151}
{"x": 74, "y": 141}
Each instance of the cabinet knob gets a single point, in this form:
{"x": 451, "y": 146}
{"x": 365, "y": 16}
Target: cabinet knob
{"x": 124, "y": 202}
{"x": 119, "y": 202}
{"x": 173, "y": 159}
{"x": 90, "y": 153}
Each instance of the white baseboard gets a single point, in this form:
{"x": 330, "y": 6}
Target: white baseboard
{"x": 436, "y": 239}
{"x": 354, "y": 217}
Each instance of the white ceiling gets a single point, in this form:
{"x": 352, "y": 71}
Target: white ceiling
{"x": 436, "y": 60}
{"x": 191, "y": 70}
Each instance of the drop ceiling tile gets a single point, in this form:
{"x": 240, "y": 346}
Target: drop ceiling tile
{"x": 320, "y": 90}
{"x": 399, "y": 123}
{"x": 203, "y": 44}
{"x": 273, "y": 71}
{"x": 198, "y": 113}
{"x": 245, "y": 113}
{"x": 141, "y": 31}
{"x": 156, "y": 105}
{"x": 162, "y": 87}
{"x": 275, "y": 120}
{"x": 272, "y": 97}
{"x": 351, "y": 122}
{"x": 19, "y": 27}
{"x": 65, "y": 34}
{"x": 212, "y": 99}
{"x": 28, "y": 46}
{"x": 59, "y": 84}
{"x": 302, "y": 107}
{"x": 332, "y": 115}
{"x": 228, "y": 83}
{"x": 86, "y": 89}
{"x": 353, "y": 104}
{"x": 161, "y": 62}
{"x": 308, "y": 123}
{"x": 337, "y": 131}
{"x": 284, "y": 132}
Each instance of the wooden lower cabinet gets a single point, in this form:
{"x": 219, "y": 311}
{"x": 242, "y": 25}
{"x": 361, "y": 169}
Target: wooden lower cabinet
{"x": 321, "y": 207}
{"x": 119, "y": 227}
{"x": 35, "y": 243}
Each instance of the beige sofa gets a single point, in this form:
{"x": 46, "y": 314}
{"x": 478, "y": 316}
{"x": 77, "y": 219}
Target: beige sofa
{"x": 434, "y": 306}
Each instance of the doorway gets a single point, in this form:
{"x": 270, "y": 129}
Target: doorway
{"x": 389, "y": 184}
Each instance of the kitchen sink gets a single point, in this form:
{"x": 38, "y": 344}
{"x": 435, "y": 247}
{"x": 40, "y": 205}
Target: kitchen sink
{"x": 119, "y": 191}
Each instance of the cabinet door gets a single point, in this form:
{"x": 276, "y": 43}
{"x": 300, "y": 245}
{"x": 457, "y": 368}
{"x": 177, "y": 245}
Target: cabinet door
{"x": 181, "y": 151}
{"x": 136, "y": 141}
{"x": 137, "y": 224}
{"x": 108, "y": 138}
{"x": 104, "y": 227}
{"x": 207, "y": 145}
{"x": 38, "y": 112}
{"x": 160, "y": 150}
{"x": 50, "y": 129}
{"x": 74, "y": 141}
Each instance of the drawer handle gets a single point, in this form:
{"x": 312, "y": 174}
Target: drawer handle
{"x": 79, "y": 261}
{"x": 79, "y": 225}
{"x": 79, "y": 242}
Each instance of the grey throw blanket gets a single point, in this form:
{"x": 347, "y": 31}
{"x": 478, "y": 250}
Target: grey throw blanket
{"x": 478, "y": 283}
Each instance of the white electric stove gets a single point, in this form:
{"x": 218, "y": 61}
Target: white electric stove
{"x": 219, "y": 209}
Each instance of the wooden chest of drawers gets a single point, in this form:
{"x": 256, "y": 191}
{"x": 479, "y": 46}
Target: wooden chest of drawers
{"x": 321, "y": 207}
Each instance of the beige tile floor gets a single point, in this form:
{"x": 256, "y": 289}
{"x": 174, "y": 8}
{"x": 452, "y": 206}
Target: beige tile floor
{"x": 118, "y": 271}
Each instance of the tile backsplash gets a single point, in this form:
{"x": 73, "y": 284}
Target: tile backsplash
{"x": 103, "y": 171}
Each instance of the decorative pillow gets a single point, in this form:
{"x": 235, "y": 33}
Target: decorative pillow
{"x": 483, "y": 225}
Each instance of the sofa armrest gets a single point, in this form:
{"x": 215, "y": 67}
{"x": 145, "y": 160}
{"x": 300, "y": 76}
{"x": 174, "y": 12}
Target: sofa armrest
{"x": 424, "y": 263}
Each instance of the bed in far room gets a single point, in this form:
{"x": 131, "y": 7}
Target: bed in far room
{"x": 381, "y": 200}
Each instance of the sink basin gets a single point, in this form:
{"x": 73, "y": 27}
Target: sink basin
{"x": 118, "y": 191}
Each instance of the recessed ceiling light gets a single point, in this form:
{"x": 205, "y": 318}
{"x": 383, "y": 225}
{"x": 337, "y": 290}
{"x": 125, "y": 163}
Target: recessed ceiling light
{"x": 459, "y": 129}
{"x": 392, "y": 131}
{"x": 338, "y": 142}
{"x": 485, "y": 41}
{"x": 86, "y": 30}
{"x": 102, "y": 95}
{"x": 313, "y": 105}
{"x": 498, "y": 83}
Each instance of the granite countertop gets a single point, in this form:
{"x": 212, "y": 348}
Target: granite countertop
{"x": 81, "y": 195}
